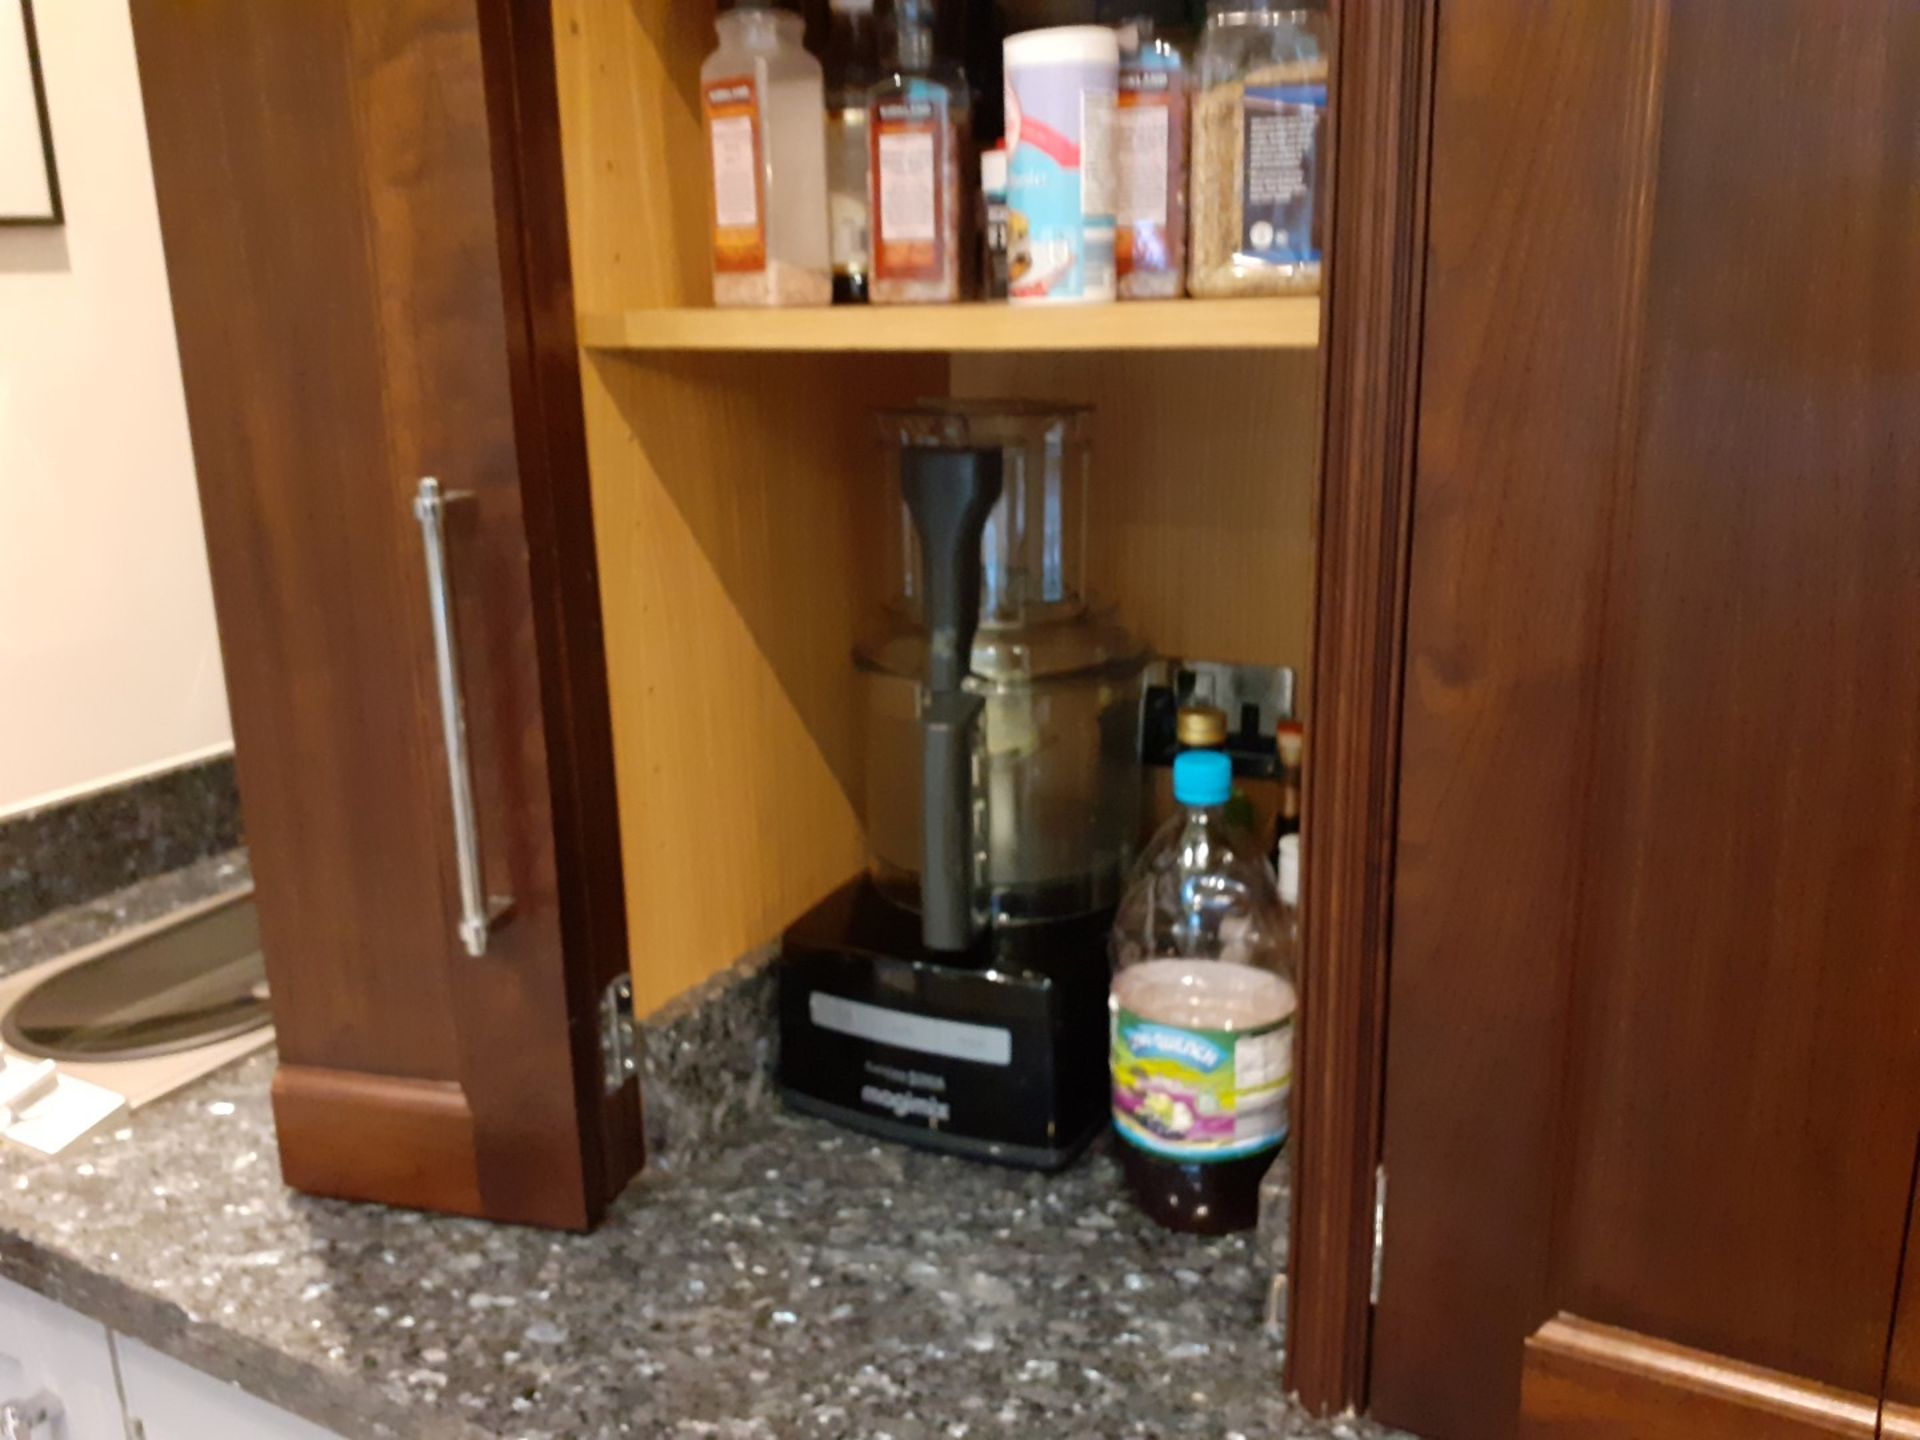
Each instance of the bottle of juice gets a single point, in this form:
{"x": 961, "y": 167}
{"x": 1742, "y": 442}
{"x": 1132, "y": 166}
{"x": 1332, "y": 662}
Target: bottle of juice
{"x": 1202, "y": 1011}
{"x": 765, "y": 104}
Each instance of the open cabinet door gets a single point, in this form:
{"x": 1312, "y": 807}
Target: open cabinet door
{"x": 1654, "y": 1033}
{"x": 360, "y": 306}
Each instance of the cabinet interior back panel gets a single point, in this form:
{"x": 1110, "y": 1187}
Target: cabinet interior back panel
{"x": 737, "y": 549}
{"x": 629, "y": 82}
{"x": 1204, "y": 467}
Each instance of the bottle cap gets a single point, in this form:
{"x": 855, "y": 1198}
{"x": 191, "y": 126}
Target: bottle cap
{"x": 993, "y": 170}
{"x": 1063, "y": 45}
{"x": 1202, "y": 726}
{"x": 1290, "y": 741}
{"x": 1289, "y": 867}
{"x": 1202, "y": 777}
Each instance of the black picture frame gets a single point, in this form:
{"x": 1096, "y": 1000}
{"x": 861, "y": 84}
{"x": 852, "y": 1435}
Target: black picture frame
{"x": 56, "y": 210}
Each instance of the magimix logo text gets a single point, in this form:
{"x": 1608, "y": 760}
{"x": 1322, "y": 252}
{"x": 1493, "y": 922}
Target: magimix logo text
{"x": 902, "y": 1105}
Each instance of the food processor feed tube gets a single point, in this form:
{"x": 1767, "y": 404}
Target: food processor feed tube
{"x": 950, "y": 494}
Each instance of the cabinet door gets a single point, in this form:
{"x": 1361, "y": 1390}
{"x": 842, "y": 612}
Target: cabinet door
{"x": 1654, "y": 1033}
{"x": 48, "y": 1351}
{"x": 359, "y": 306}
{"x": 170, "y": 1401}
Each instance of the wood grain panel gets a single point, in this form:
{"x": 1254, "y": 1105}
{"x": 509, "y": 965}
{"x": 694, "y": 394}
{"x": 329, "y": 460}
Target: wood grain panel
{"x": 1597, "y": 1382}
{"x": 1745, "y": 1082}
{"x": 1374, "y": 312}
{"x": 636, "y": 161}
{"x": 735, "y": 504}
{"x": 326, "y": 185}
{"x": 409, "y": 1143}
{"x": 1528, "y": 309}
{"x": 1267, "y": 323}
{"x": 316, "y": 677}
{"x": 1655, "y": 1015}
{"x": 1204, "y": 481}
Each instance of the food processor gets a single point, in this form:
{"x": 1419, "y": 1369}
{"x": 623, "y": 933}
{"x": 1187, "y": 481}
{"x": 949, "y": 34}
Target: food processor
{"x": 954, "y": 996}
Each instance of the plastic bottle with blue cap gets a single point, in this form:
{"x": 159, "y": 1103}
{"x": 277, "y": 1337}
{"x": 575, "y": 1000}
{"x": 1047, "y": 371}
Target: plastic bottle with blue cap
{"x": 1202, "y": 1009}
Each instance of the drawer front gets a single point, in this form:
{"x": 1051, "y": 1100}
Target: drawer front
{"x": 170, "y": 1401}
{"x": 47, "y": 1350}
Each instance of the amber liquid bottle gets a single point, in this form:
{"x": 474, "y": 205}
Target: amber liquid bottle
{"x": 852, "y": 63}
{"x": 918, "y": 124}
{"x": 1290, "y": 743}
{"x": 1202, "y": 1011}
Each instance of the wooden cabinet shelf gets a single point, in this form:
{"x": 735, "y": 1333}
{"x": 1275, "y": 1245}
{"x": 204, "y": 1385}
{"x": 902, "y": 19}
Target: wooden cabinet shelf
{"x": 1270, "y": 323}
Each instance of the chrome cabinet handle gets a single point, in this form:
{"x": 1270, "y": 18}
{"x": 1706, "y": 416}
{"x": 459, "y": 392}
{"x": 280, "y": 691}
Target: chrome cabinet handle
{"x": 20, "y": 1418}
{"x": 478, "y": 912}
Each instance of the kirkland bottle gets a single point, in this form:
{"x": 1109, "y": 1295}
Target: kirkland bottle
{"x": 1202, "y": 1013}
{"x": 853, "y": 67}
{"x": 919, "y": 118}
{"x": 767, "y": 143}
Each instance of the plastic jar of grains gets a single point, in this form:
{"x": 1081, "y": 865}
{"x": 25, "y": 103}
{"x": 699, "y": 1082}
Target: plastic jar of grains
{"x": 764, "y": 100}
{"x": 1259, "y": 130}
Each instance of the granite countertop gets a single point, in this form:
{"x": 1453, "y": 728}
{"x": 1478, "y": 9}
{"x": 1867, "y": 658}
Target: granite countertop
{"x": 799, "y": 1281}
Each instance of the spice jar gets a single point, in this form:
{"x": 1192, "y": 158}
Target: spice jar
{"x": 1259, "y": 129}
{"x": 763, "y": 97}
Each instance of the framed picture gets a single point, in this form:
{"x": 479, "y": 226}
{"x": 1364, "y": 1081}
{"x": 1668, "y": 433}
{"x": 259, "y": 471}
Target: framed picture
{"x": 29, "y": 184}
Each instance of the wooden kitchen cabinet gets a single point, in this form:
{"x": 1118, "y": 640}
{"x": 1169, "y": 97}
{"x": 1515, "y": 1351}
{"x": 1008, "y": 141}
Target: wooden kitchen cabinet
{"x": 1583, "y": 502}
{"x": 466, "y": 238}
{"x": 1653, "y": 1056}
{"x": 356, "y": 266}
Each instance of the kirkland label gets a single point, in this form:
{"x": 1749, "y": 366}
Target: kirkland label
{"x": 1283, "y": 128}
{"x": 733, "y": 136}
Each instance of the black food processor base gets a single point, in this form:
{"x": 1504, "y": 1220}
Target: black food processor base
{"x": 998, "y": 1053}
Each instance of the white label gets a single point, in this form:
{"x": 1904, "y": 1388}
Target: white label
{"x": 736, "y": 188}
{"x": 1096, "y": 154}
{"x": 1264, "y": 1060}
{"x": 983, "y": 1044}
{"x": 907, "y": 187}
{"x": 1141, "y": 135}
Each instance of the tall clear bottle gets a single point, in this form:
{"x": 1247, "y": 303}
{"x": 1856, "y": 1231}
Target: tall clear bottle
{"x": 764, "y": 99}
{"x": 919, "y": 126}
{"x": 1202, "y": 1009}
{"x": 853, "y": 68}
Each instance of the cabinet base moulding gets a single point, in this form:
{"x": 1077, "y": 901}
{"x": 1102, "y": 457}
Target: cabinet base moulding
{"x": 346, "y": 1136}
{"x": 1584, "y": 1381}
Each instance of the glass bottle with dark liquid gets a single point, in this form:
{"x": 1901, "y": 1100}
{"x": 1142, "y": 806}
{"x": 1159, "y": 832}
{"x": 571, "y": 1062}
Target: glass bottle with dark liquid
{"x": 1202, "y": 1010}
{"x": 852, "y": 65}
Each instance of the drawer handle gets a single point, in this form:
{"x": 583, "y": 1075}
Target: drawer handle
{"x": 479, "y": 913}
{"x": 19, "y": 1419}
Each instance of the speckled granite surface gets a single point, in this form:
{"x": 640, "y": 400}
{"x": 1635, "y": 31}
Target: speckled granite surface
{"x": 797, "y": 1282}
{"x": 67, "y": 853}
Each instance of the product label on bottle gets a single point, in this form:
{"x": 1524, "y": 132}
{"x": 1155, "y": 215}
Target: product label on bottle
{"x": 739, "y": 214}
{"x": 1143, "y": 141}
{"x": 1200, "y": 1095}
{"x": 1283, "y": 128}
{"x": 1060, "y": 183}
{"x": 909, "y": 141}
{"x": 1143, "y": 134}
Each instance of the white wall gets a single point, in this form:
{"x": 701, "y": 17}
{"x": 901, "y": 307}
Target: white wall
{"x": 109, "y": 667}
